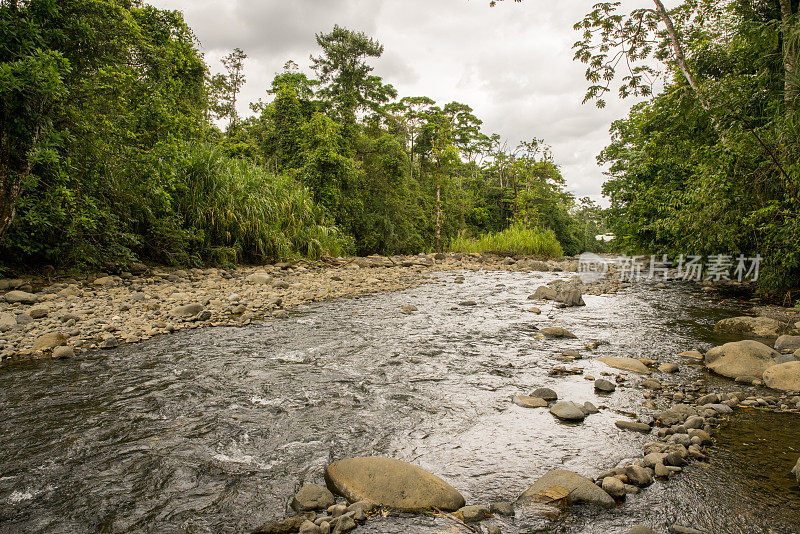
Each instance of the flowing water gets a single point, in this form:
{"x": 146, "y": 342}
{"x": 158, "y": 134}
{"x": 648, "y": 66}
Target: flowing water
{"x": 213, "y": 430}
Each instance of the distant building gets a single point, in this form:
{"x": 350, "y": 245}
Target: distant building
{"x": 605, "y": 237}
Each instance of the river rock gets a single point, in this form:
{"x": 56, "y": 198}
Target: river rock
{"x": 694, "y": 421}
{"x": 290, "y": 525}
{"x": 568, "y": 411}
{"x": 580, "y": 488}
{"x": 603, "y": 385}
{"x": 545, "y": 393}
{"x": 23, "y": 297}
{"x": 757, "y": 326}
{"x": 7, "y": 321}
{"x": 260, "y": 278}
{"x": 188, "y": 310}
{"x": 680, "y": 529}
{"x": 701, "y": 434}
{"x": 613, "y": 486}
{"x": 467, "y": 303}
{"x": 109, "y": 342}
{"x": 556, "y": 331}
{"x": 502, "y": 508}
{"x": 309, "y": 528}
{"x": 711, "y": 398}
{"x": 589, "y": 408}
{"x": 627, "y": 364}
{"x": 652, "y": 383}
{"x": 343, "y": 523}
{"x": 63, "y": 352}
{"x": 787, "y": 343}
{"x": 105, "y": 281}
{"x": 312, "y": 497}
{"x": 693, "y": 354}
{"x": 668, "y": 368}
{"x": 391, "y": 483}
{"x": 49, "y": 341}
{"x": 641, "y": 529}
{"x": 786, "y": 358}
{"x": 784, "y": 376}
{"x": 796, "y": 471}
{"x": 633, "y": 425}
{"x": 570, "y": 296}
{"x": 408, "y": 309}
{"x": 675, "y": 415}
{"x": 544, "y": 293}
{"x": 747, "y": 358}
{"x": 529, "y": 402}
{"x": 473, "y": 513}
{"x": 638, "y": 475}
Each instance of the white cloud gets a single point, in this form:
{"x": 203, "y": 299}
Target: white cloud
{"x": 512, "y": 63}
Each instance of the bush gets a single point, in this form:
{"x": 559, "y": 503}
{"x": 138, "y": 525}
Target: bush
{"x": 235, "y": 204}
{"x": 513, "y": 240}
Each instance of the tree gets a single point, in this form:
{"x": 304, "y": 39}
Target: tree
{"x": 31, "y": 82}
{"x": 410, "y": 114}
{"x": 347, "y": 85}
{"x": 225, "y": 88}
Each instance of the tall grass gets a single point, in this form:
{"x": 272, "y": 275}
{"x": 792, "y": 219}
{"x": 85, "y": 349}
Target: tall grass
{"x": 237, "y": 205}
{"x": 513, "y": 240}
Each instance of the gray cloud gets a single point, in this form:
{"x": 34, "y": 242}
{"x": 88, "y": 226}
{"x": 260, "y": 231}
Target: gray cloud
{"x": 512, "y": 63}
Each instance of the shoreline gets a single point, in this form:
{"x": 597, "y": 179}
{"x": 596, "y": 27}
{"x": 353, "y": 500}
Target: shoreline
{"x": 72, "y": 316}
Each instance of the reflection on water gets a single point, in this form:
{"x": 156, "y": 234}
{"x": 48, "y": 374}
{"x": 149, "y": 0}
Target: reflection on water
{"x": 214, "y": 430}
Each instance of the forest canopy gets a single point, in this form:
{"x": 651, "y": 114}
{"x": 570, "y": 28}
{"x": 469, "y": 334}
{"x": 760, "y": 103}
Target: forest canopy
{"x": 120, "y": 145}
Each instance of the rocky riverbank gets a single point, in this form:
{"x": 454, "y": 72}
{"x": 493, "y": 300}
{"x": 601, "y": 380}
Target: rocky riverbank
{"x": 62, "y": 317}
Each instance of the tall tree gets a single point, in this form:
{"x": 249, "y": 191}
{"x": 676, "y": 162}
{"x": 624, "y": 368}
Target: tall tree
{"x": 225, "y": 88}
{"x": 347, "y": 85}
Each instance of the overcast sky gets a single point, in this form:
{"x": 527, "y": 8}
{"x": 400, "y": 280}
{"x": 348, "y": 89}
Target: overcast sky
{"x": 512, "y": 63}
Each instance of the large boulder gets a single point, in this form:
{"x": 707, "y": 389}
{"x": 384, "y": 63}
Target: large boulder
{"x": 784, "y": 376}
{"x": 391, "y": 483}
{"x": 626, "y": 364}
{"x": 787, "y": 343}
{"x": 756, "y": 326}
{"x": 580, "y": 488}
{"x": 746, "y": 358}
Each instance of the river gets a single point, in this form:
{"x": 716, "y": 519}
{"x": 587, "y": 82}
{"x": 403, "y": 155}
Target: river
{"x": 213, "y": 430}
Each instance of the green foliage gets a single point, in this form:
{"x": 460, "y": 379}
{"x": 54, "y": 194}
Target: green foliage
{"x": 234, "y": 204}
{"x": 517, "y": 239}
{"x": 716, "y": 173}
{"x": 115, "y": 153}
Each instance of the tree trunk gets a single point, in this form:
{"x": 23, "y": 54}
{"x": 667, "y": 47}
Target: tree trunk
{"x": 790, "y": 60}
{"x": 680, "y": 56}
{"x": 438, "y": 216}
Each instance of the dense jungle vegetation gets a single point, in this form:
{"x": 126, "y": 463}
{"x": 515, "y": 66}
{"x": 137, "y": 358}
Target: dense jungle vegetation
{"x": 711, "y": 163}
{"x": 111, "y": 148}
{"x": 111, "y": 152}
